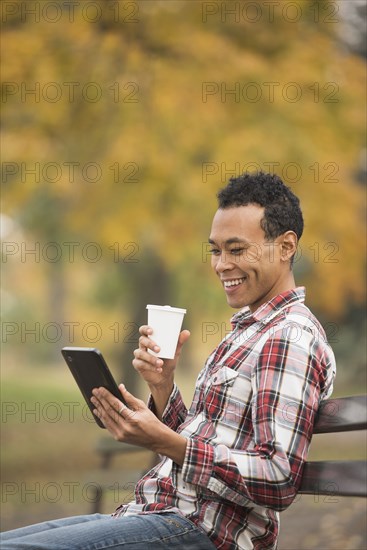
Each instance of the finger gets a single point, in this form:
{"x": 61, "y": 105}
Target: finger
{"x": 107, "y": 404}
{"x": 133, "y": 403}
{"x": 144, "y": 368}
{"x": 184, "y": 336}
{"x": 109, "y": 422}
{"x": 144, "y": 360}
{"x": 147, "y": 343}
{"x": 145, "y": 330}
{"x": 97, "y": 413}
{"x": 112, "y": 405}
{"x": 146, "y": 357}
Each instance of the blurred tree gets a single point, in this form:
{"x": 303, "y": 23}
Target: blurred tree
{"x": 120, "y": 124}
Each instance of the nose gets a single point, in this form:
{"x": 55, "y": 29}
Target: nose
{"x": 222, "y": 262}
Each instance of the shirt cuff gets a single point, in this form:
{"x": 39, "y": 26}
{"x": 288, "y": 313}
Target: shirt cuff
{"x": 198, "y": 462}
{"x": 175, "y": 412}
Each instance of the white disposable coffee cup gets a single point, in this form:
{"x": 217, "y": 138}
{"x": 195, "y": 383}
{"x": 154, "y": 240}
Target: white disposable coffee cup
{"x": 166, "y": 322}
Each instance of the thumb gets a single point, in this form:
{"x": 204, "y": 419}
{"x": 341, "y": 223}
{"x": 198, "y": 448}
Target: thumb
{"x": 131, "y": 401}
{"x": 184, "y": 336}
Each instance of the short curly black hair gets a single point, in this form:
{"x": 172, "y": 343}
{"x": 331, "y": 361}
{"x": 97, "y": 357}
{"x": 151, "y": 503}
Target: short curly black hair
{"x": 282, "y": 210}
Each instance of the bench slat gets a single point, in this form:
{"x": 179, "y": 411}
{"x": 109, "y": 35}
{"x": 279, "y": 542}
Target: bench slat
{"x": 113, "y": 478}
{"x": 343, "y": 414}
{"x": 331, "y": 478}
{"x": 341, "y": 477}
{"x": 107, "y": 445}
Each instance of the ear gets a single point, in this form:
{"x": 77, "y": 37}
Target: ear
{"x": 288, "y": 245}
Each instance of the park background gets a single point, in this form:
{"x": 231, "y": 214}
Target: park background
{"x": 121, "y": 121}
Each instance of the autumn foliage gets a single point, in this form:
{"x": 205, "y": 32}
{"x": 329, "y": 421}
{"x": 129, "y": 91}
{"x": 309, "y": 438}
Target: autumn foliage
{"x": 121, "y": 120}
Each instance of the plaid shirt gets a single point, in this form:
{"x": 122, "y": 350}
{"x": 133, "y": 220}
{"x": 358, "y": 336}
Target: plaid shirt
{"x": 248, "y": 428}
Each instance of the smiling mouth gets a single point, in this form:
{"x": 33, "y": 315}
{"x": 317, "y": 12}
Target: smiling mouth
{"x": 233, "y": 282}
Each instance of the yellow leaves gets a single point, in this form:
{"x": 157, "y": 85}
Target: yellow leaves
{"x": 163, "y": 111}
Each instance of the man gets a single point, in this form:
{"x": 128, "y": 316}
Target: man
{"x": 235, "y": 459}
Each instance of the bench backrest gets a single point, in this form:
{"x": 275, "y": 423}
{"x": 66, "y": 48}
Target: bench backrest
{"x": 330, "y": 477}
{"x": 338, "y": 477}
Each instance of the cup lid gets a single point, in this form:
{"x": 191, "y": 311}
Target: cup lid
{"x": 167, "y": 308}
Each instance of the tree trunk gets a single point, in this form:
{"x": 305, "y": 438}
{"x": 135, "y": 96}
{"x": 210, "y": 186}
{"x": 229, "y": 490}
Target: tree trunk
{"x": 149, "y": 284}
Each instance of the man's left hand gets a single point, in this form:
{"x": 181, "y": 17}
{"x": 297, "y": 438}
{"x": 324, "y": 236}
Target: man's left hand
{"x": 133, "y": 424}
{"x": 136, "y": 424}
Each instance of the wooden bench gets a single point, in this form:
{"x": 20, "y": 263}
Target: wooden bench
{"x": 338, "y": 477}
{"x": 329, "y": 477}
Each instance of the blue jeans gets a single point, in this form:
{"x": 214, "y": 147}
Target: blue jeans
{"x": 98, "y": 531}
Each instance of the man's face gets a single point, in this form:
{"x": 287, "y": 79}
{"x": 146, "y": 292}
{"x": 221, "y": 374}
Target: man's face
{"x": 250, "y": 268}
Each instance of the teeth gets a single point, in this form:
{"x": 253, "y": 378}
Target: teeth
{"x": 234, "y": 282}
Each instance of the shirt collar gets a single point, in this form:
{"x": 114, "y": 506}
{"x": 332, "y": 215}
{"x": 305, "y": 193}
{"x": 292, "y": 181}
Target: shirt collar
{"x": 268, "y": 310}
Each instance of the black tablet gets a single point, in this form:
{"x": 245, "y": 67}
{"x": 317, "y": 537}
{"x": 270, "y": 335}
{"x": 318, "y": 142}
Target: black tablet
{"x": 90, "y": 371}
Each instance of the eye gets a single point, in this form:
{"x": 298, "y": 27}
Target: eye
{"x": 214, "y": 251}
{"x": 237, "y": 251}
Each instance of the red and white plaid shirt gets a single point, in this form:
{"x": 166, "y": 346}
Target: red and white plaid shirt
{"x": 248, "y": 428}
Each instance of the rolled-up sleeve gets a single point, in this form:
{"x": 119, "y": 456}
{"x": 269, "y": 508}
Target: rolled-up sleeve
{"x": 175, "y": 411}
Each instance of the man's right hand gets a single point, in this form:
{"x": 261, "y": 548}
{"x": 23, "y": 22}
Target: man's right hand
{"x": 158, "y": 373}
